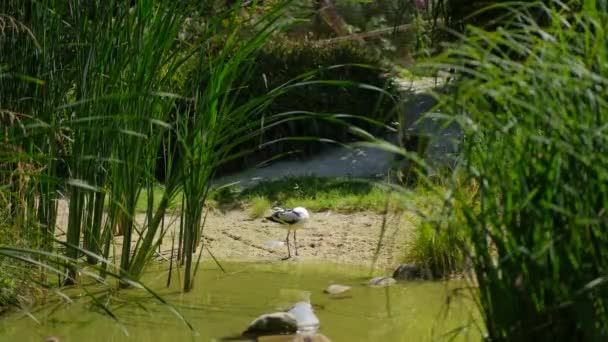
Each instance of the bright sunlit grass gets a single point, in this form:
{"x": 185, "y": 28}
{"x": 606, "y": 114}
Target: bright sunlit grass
{"x": 314, "y": 193}
{"x": 157, "y": 194}
{"x": 258, "y": 206}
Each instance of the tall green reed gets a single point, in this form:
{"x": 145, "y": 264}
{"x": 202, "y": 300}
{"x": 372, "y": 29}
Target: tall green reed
{"x": 105, "y": 96}
{"x": 54, "y": 264}
{"x": 209, "y": 128}
{"x": 533, "y": 110}
{"x": 97, "y": 111}
{"x": 121, "y": 116}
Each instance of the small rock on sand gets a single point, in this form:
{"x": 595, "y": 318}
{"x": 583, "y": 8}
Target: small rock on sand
{"x": 381, "y": 281}
{"x": 274, "y": 244}
{"x": 273, "y": 324}
{"x": 336, "y": 289}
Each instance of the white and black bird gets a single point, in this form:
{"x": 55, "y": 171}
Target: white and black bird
{"x": 292, "y": 220}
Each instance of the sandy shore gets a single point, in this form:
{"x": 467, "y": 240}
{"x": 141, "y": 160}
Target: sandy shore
{"x": 336, "y": 237}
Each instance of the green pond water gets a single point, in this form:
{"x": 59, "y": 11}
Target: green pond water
{"x": 223, "y": 304}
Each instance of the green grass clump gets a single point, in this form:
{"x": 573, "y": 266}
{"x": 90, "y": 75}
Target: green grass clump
{"x": 374, "y": 200}
{"x": 258, "y": 206}
{"x": 437, "y": 249}
{"x": 15, "y": 275}
{"x": 8, "y": 270}
{"x": 436, "y": 242}
{"x": 314, "y": 193}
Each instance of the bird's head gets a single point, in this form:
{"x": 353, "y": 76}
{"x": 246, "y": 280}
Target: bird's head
{"x": 302, "y": 212}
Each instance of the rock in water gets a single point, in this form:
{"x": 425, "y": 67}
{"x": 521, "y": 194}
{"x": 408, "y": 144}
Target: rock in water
{"x": 273, "y": 324}
{"x": 306, "y": 319}
{"x": 381, "y": 281}
{"x": 407, "y": 272}
{"x": 336, "y": 289}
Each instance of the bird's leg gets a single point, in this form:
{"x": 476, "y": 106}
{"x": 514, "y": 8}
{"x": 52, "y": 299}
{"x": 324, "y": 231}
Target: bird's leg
{"x": 287, "y": 242}
{"x": 295, "y": 241}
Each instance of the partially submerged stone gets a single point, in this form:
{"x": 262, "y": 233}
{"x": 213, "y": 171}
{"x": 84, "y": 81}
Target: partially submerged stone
{"x": 407, "y": 272}
{"x": 276, "y": 323}
{"x": 305, "y": 317}
{"x": 336, "y": 289}
{"x": 381, "y": 281}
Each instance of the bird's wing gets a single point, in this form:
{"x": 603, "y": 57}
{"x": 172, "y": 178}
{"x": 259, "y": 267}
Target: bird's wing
{"x": 286, "y": 216}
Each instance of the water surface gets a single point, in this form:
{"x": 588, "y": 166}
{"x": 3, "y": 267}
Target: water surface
{"x": 223, "y": 304}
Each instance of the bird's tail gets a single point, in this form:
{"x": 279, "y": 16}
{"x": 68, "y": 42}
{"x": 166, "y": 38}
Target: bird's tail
{"x": 273, "y": 219}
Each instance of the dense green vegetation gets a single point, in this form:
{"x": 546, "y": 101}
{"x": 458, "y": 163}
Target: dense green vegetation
{"x": 314, "y": 193}
{"x": 88, "y": 121}
{"x": 356, "y": 91}
{"x": 102, "y": 99}
{"x": 535, "y": 150}
{"x": 171, "y": 92}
